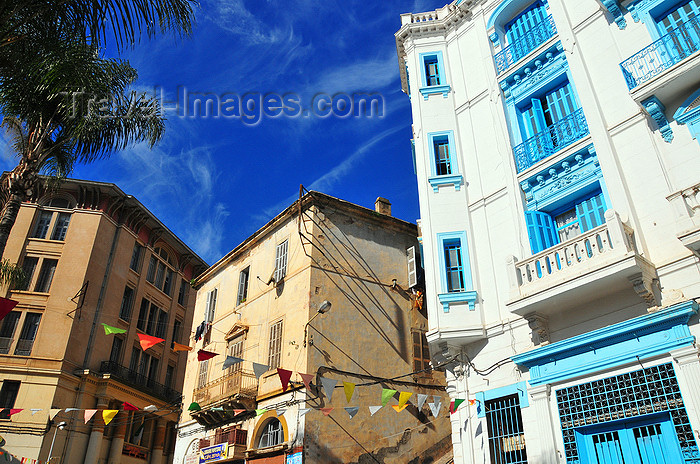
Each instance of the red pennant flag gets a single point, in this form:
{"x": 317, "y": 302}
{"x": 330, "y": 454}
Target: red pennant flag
{"x": 307, "y": 378}
{"x": 238, "y": 411}
{"x": 285, "y": 375}
{"x": 326, "y": 411}
{"x": 129, "y": 407}
{"x": 6, "y": 306}
{"x": 471, "y": 402}
{"x": 148, "y": 341}
{"x": 204, "y": 355}
{"x": 454, "y": 405}
{"x": 15, "y": 411}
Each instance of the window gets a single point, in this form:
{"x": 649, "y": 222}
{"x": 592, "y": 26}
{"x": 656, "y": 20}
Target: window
{"x": 7, "y": 331}
{"x": 8, "y": 396}
{"x": 28, "y": 267}
{"x": 210, "y": 310}
{"x": 421, "y": 351}
{"x": 504, "y": 423}
{"x": 61, "y": 227}
{"x": 169, "y": 376}
{"x": 48, "y": 268}
{"x": 455, "y": 270}
{"x": 135, "y": 425}
{"x": 202, "y": 378}
{"x": 243, "y": 286}
{"x": 143, "y": 314}
{"x": 28, "y": 334}
{"x": 134, "y": 362}
{"x": 412, "y": 264}
{"x": 152, "y": 320}
{"x": 136, "y": 256}
{"x": 162, "y": 324}
{"x": 236, "y": 349}
{"x": 153, "y": 369}
{"x": 549, "y": 228}
{"x": 177, "y": 328}
{"x": 182, "y": 293}
{"x": 127, "y": 304}
{"x": 281, "y": 261}
{"x": 160, "y": 274}
{"x": 433, "y": 75}
{"x": 444, "y": 169}
{"x": 275, "y": 347}
{"x": 42, "y": 225}
{"x": 272, "y": 434}
{"x": 115, "y": 353}
{"x": 453, "y": 265}
{"x": 152, "y": 264}
{"x": 673, "y": 22}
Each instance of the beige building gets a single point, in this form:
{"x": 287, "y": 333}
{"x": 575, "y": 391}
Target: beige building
{"x": 325, "y": 289}
{"x": 94, "y": 255}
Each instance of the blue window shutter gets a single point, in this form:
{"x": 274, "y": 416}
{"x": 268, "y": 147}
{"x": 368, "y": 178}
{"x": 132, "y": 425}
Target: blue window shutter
{"x": 591, "y": 213}
{"x": 675, "y": 18}
{"x": 533, "y": 119}
{"x": 561, "y": 102}
{"x": 525, "y": 22}
{"x": 541, "y": 230}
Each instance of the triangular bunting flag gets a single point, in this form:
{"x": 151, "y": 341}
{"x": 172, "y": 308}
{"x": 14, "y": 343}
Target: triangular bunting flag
{"x": 71, "y": 409}
{"x": 6, "y": 306}
{"x": 218, "y": 408}
{"x": 352, "y": 411}
{"x": 35, "y": 410}
{"x": 88, "y": 414}
{"x": 129, "y": 406}
{"x": 203, "y": 355}
{"x": 148, "y": 341}
{"x": 454, "y": 405}
{"x": 260, "y": 412}
{"x": 113, "y": 330}
{"x": 328, "y": 387}
{"x": 349, "y": 390}
{"x": 150, "y": 408}
{"x": 260, "y": 369}
{"x": 15, "y": 411}
{"x": 303, "y": 411}
{"x": 108, "y": 415}
{"x": 230, "y": 361}
{"x": 307, "y": 378}
{"x": 53, "y": 412}
{"x": 281, "y": 411}
{"x": 373, "y": 409}
{"x": 285, "y": 375}
{"x": 421, "y": 400}
{"x": 403, "y": 398}
{"x": 387, "y": 394}
{"x": 194, "y": 406}
{"x": 399, "y": 408}
{"x": 435, "y": 408}
{"x": 472, "y": 402}
{"x": 238, "y": 411}
{"x": 326, "y": 411}
{"x": 180, "y": 347}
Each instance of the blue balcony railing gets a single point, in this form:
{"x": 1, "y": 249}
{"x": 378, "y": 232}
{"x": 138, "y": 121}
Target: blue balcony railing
{"x": 525, "y": 44}
{"x": 670, "y": 49}
{"x": 554, "y": 138}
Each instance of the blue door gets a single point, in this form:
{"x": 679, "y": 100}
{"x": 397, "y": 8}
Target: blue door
{"x": 640, "y": 441}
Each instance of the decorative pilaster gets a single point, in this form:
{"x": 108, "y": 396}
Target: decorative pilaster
{"x": 614, "y": 8}
{"x": 117, "y": 446}
{"x": 688, "y": 363}
{"x": 98, "y": 427}
{"x": 158, "y": 440}
{"x": 656, "y": 110}
{"x": 541, "y": 446}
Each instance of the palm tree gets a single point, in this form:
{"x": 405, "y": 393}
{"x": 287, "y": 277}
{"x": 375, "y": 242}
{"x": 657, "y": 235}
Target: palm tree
{"x": 64, "y": 104}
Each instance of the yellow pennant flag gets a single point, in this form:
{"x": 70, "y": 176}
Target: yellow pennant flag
{"x": 399, "y": 408}
{"x": 180, "y": 347}
{"x": 403, "y": 397}
{"x": 349, "y": 390}
{"x": 108, "y": 415}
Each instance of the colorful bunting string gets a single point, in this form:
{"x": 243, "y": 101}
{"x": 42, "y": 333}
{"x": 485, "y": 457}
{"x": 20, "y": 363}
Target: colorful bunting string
{"x": 180, "y": 347}
{"x": 352, "y": 411}
{"x": 349, "y": 390}
{"x": 230, "y": 361}
{"x": 108, "y": 415}
{"x": 88, "y": 413}
{"x": 307, "y": 378}
{"x": 148, "y": 341}
{"x": 129, "y": 407}
{"x": 373, "y": 409}
{"x": 284, "y": 375}
{"x": 260, "y": 369}
{"x": 387, "y": 394}
{"x": 328, "y": 387}
{"x": 403, "y": 398}
{"x": 112, "y": 330}
{"x": 203, "y": 355}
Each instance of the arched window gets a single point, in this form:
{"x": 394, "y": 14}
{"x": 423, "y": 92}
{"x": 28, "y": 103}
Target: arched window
{"x": 272, "y": 434}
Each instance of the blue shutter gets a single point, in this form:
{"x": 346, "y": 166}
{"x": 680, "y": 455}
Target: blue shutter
{"x": 541, "y": 230}
{"x": 677, "y": 17}
{"x": 591, "y": 213}
{"x": 525, "y": 22}
{"x": 561, "y": 102}
{"x": 533, "y": 119}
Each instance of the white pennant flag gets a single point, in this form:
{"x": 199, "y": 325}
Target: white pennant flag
{"x": 328, "y": 387}
{"x": 35, "y": 410}
{"x": 435, "y": 408}
{"x": 352, "y": 411}
{"x": 281, "y": 411}
{"x": 421, "y": 400}
{"x": 303, "y": 411}
{"x": 150, "y": 408}
{"x": 373, "y": 409}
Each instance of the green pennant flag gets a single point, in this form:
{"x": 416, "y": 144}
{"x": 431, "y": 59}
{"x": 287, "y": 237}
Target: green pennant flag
{"x": 113, "y": 330}
{"x": 194, "y": 407}
{"x": 455, "y": 404}
{"x": 260, "y": 412}
{"x": 387, "y": 395}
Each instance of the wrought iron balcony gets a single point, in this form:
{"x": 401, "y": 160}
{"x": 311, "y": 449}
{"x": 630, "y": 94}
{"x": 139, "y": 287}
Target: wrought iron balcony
{"x": 5, "y": 343}
{"x": 238, "y": 382}
{"x": 554, "y": 138}
{"x": 24, "y": 347}
{"x": 137, "y": 380}
{"x": 662, "y": 54}
{"x": 525, "y": 44}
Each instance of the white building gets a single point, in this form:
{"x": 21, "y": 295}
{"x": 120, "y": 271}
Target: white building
{"x": 559, "y": 182}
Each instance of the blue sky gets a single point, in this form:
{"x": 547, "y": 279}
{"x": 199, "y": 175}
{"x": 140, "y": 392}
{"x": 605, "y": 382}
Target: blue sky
{"x": 215, "y": 181}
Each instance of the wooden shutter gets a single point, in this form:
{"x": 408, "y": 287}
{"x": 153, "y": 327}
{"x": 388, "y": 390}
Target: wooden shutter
{"x": 541, "y": 230}
{"x": 591, "y": 213}
{"x": 412, "y": 267}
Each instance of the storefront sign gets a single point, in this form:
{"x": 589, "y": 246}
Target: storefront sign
{"x": 213, "y": 453}
{"x": 294, "y": 458}
{"x": 192, "y": 458}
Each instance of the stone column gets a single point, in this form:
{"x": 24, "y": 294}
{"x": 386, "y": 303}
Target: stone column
{"x": 541, "y": 446}
{"x": 92, "y": 454}
{"x": 158, "y": 440}
{"x": 115, "y": 449}
{"x": 688, "y": 365}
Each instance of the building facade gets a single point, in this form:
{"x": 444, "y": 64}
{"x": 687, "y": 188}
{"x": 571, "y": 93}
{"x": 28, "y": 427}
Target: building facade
{"x": 325, "y": 288}
{"x": 94, "y": 255}
{"x": 558, "y": 168}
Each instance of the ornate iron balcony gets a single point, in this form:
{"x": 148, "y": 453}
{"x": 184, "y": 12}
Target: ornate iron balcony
{"x": 554, "y": 138}
{"x": 133, "y": 378}
{"x": 669, "y": 50}
{"x": 237, "y": 382}
{"x": 525, "y": 44}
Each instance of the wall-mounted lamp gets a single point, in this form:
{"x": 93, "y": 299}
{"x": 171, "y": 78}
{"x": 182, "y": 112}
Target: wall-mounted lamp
{"x": 323, "y": 308}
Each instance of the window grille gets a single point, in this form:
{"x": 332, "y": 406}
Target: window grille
{"x": 272, "y": 434}
{"x": 275, "y": 352}
{"x": 646, "y": 391}
{"x": 281, "y": 261}
{"x": 505, "y": 428}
